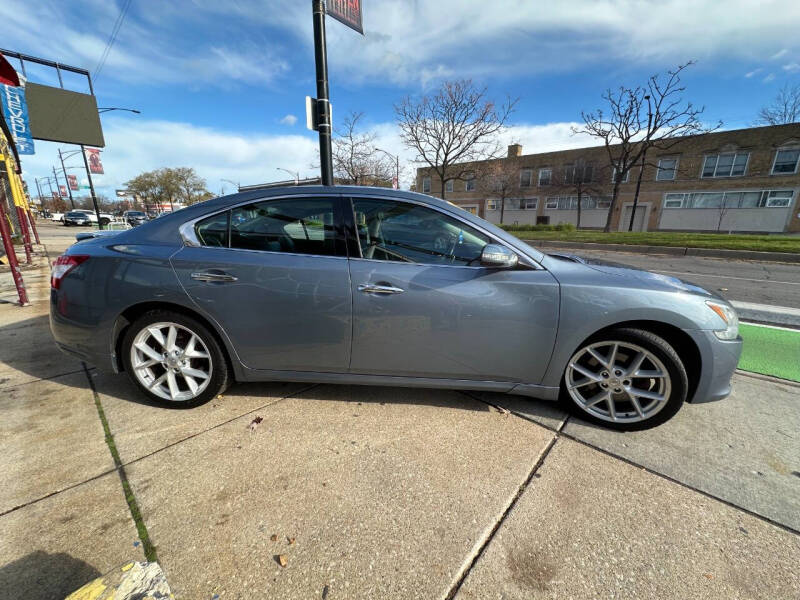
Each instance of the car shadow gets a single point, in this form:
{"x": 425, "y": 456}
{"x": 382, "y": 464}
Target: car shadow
{"x": 43, "y": 576}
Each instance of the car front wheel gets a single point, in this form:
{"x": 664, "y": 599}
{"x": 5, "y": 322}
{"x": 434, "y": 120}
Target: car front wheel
{"x": 626, "y": 379}
{"x": 174, "y": 360}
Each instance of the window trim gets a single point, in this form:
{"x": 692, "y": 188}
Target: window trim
{"x": 762, "y": 192}
{"x": 428, "y": 179}
{"x": 529, "y": 171}
{"x": 549, "y": 177}
{"x": 471, "y": 179}
{"x": 775, "y": 160}
{"x": 535, "y": 203}
{"x": 718, "y": 154}
{"x": 674, "y": 169}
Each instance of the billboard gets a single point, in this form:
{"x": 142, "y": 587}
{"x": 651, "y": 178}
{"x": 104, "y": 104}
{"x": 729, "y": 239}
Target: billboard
{"x": 93, "y": 158}
{"x": 62, "y": 189}
{"x": 73, "y": 182}
{"x": 58, "y": 115}
{"x": 347, "y": 12}
{"x": 15, "y": 112}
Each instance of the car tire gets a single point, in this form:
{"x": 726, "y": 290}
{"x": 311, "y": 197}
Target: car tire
{"x": 603, "y": 384}
{"x": 185, "y": 363}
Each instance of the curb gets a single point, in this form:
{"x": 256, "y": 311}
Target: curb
{"x": 782, "y": 257}
{"x": 768, "y": 314}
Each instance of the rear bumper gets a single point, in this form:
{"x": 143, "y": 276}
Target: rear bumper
{"x": 719, "y": 361}
{"x": 85, "y": 340}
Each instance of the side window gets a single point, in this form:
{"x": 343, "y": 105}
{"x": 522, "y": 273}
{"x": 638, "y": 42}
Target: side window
{"x": 389, "y": 230}
{"x": 294, "y": 225}
{"x": 213, "y": 231}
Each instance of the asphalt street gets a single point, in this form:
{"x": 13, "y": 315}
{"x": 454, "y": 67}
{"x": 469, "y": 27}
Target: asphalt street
{"x": 777, "y": 284}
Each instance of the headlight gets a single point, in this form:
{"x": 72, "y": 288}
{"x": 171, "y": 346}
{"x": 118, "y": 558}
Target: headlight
{"x": 729, "y": 318}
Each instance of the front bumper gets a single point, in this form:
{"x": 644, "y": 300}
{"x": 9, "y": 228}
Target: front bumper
{"x": 719, "y": 360}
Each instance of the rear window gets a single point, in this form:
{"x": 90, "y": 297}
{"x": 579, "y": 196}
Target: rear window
{"x": 134, "y": 213}
{"x": 213, "y": 231}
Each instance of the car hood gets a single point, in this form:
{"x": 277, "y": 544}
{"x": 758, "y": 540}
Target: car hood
{"x": 646, "y": 278}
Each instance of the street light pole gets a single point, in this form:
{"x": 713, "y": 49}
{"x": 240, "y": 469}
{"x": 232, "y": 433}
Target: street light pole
{"x": 63, "y": 168}
{"x": 396, "y": 158}
{"x": 323, "y": 102}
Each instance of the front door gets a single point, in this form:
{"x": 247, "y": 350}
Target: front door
{"x": 424, "y": 306}
{"x": 274, "y": 275}
{"x": 639, "y": 221}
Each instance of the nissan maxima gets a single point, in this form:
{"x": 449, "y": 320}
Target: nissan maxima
{"x": 374, "y": 286}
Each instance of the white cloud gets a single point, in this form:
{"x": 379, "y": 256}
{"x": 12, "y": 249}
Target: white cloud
{"x": 134, "y": 146}
{"x": 779, "y": 54}
{"x": 753, "y": 73}
{"x": 288, "y": 120}
{"x": 138, "y": 145}
{"x": 769, "y": 78}
{"x": 792, "y": 67}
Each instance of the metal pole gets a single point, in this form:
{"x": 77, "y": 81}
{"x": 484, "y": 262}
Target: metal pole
{"x": 26, "y": 238}
{"x": 39, "y": 189}
{"x": 397, "y": 165}
{"x": 33, "y": 226}
{"x": 323, "y": 102}
{"x": 5, "y": 233}
{"x": 63, "y": 168}
{"x": 91, "y": 187}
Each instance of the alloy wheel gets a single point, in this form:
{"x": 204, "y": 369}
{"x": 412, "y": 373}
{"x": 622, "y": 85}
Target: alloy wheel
{"x": 618, "y": 381}
{"x": 171, "y": 361}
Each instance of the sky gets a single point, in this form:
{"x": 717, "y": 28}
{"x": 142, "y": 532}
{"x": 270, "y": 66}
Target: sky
{"x": 221, "y": 86}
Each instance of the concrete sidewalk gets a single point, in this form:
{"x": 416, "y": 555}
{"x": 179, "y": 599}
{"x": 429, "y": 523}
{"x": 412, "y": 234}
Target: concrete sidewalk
{"x": 386, "y": 492}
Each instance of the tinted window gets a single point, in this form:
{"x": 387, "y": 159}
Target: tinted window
{"x": 389, "y": 230}
{"x": 213, "y": 231}
{"x": 296, "y": 225}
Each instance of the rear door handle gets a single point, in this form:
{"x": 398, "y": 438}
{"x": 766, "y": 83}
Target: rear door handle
{"x": 369, "y": 288}
{"x": 216, "y": 277}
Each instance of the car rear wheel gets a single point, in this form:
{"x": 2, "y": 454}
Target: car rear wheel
{"x": 174, "y": 359}
{"x": 626, "y": 379}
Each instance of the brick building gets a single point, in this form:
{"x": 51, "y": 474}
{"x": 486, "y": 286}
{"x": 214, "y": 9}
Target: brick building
{"x": 745, "y": 180}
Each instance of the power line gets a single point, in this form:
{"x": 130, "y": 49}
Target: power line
{"x": 111, "y": 39}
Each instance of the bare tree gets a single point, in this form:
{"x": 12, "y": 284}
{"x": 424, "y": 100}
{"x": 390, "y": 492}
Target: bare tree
{"x": 628, "y": 132}
{"x": 785, "y": 108}
{"x": 355, "y": 158}
{"x": 456, "y": 125}
{"x": 582, "y": 178}
{"x": 499, "y": 179}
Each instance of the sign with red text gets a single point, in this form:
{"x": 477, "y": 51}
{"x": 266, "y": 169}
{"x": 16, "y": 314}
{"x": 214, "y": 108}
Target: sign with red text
{"x": 347, "y": 12}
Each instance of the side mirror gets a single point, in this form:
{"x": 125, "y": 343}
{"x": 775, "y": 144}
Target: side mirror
{"x": 495, "y": 255}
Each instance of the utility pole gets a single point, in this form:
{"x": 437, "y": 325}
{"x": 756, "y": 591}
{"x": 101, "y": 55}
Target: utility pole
{"x": 91, "y": 187}
{"x": 63, "y": 168}
{"x": 58, "y": 184}
{"x": 323, "y": 102}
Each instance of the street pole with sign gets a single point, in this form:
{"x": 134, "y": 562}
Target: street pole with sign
{"x": 63, "y": 168}
{"x": 319, "y": 108}
{"x": 91, "y": 187}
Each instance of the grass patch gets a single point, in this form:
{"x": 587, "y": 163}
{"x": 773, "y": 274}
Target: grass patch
{"x": 770, "y": 351}
{"x": 147, "y": 545}
{"x": 734, "y": 241}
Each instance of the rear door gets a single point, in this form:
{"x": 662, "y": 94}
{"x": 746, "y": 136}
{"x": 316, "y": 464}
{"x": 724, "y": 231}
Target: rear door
{"x": 274, "y": 275}
{"x": 423, "y": 305}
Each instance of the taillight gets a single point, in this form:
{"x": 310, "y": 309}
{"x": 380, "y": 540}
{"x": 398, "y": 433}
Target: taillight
{"x": 63, "y": 265}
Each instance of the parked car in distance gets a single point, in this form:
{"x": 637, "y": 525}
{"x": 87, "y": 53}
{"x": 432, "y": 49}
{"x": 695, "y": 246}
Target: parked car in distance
{"x": 105, "y": 218}
{"x": 134, "y": 218}
{"x": 58, "y": 217}
{"x": 381, "y": 287}
{"x": 76, "y": 217}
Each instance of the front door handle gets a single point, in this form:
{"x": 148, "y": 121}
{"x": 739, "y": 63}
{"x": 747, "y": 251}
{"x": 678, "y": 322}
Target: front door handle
{"x": 370, "y": 288}
{"x": 215, "y": 277}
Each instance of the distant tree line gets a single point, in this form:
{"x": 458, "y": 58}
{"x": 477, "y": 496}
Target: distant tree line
{"x": 169, "y": 186}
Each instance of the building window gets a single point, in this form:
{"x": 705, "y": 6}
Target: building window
{"x": 426, "y": 185}
{"x": 666, "y": 169}
{"x": 604, "y": 203}
{"x": 545, "y": 175}
{"x": 469, "y": 185}
{"x": 491, "y": 205}
{"x": 525, "y": 178}
{"x": 725, "y": 165}
{"x": 786, "y": 161}
{"x": 725, "y": 200}
{"x": 551, "y": 203}
{"x": 624, "y": 179}
{"x": 448, "y": 186}
{"x": 531, "y": 203}
{"x": 673, "y": 201}
{"x": 569, "y": 173}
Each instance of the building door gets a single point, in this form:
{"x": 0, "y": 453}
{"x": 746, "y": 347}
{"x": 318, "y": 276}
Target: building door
{"x": 639, "y": 221}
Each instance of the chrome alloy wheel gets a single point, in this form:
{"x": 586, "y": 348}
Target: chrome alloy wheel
{"x": 618, "y": 381}
{"x": 171, "y": 361}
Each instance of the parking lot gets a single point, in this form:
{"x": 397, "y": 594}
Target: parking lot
{"x": 368, "y": 492}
